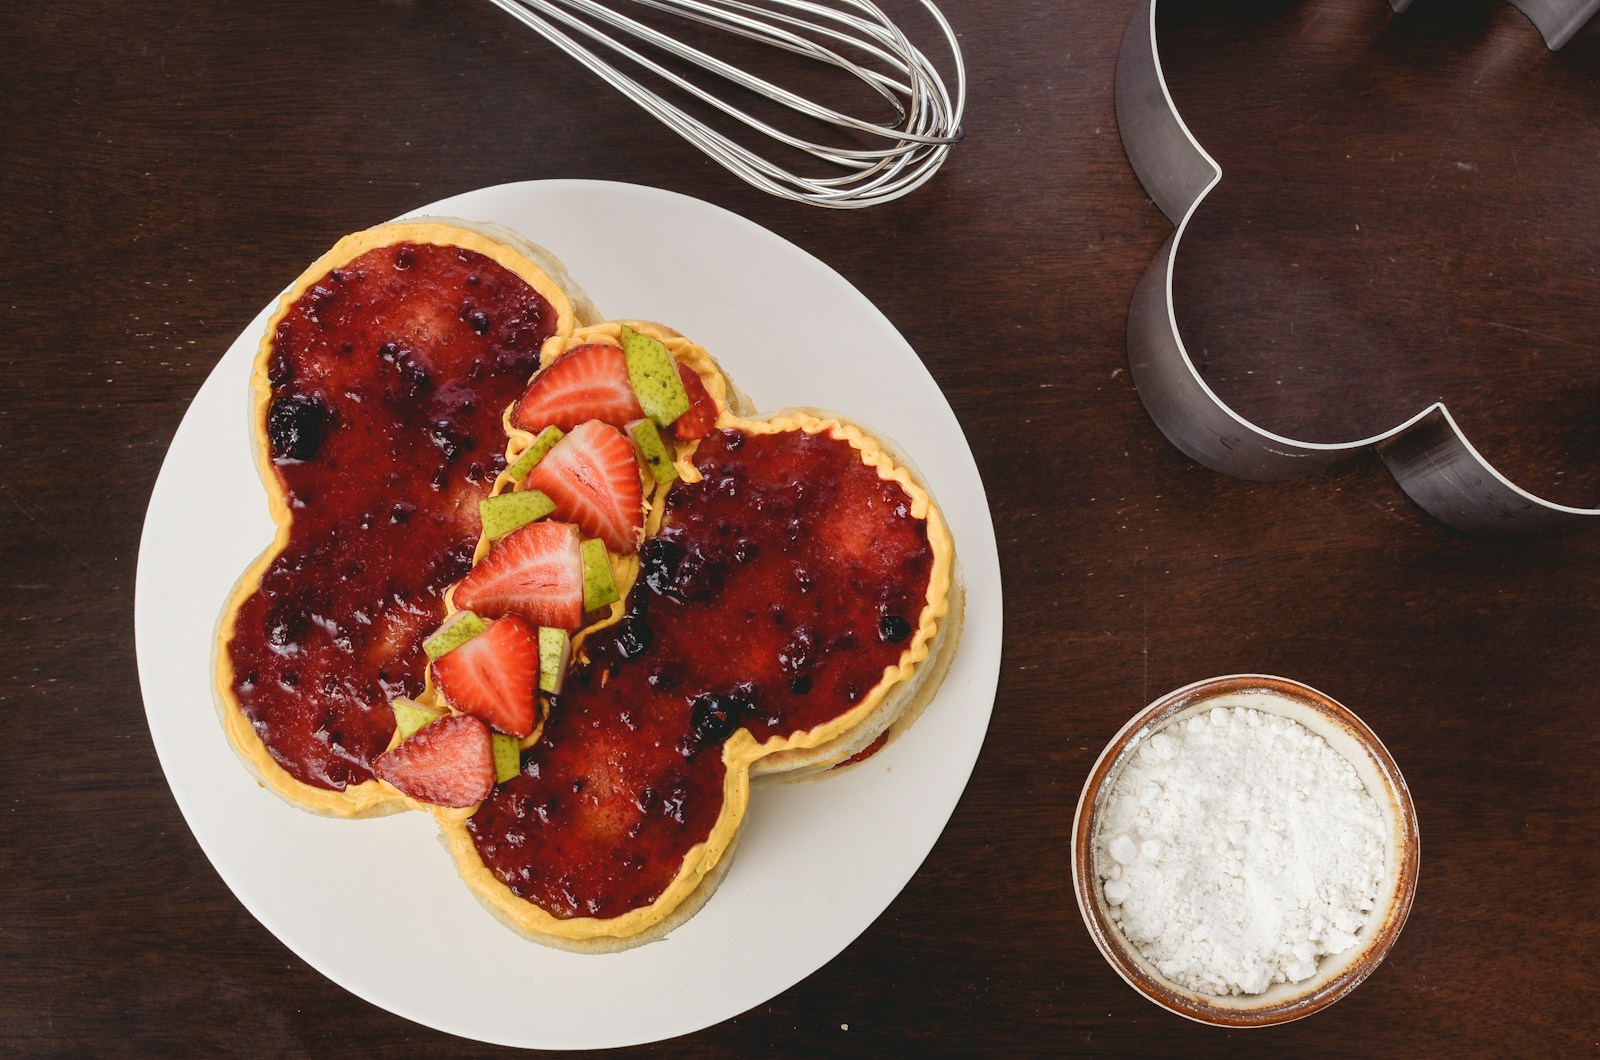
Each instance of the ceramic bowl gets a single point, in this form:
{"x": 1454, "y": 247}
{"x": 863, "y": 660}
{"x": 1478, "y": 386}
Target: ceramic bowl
{"x": 1336, "y": 974}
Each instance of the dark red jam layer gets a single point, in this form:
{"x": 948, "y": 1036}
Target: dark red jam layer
{"x": 389, "y": 377}
{"x": 778, "y": 590}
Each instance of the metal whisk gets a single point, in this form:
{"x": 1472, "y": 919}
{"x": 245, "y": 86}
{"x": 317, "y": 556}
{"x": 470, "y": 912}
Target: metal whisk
{"x": 877, "y": 162}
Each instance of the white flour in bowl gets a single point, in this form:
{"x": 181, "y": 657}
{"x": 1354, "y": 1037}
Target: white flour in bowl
{"x": 1236, "y": 848}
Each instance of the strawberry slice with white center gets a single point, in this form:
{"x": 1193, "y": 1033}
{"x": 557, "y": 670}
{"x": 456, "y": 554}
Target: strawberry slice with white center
{"x": 447, "y": 763}
{"x": 535, "y": 572}
{"x": 494, "y": 676}
{"x": 702, "y": 414}
{"x": 588, "y": 382}
{"x": 593, "y": 477}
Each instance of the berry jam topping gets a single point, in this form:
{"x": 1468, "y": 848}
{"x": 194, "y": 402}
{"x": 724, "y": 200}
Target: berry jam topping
{"x": 866, "y": 752}
{"x": 384, "y": 431}
{"x": 628, "y": 774}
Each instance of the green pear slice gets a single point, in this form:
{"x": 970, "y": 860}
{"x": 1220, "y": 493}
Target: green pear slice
{"x": 599, "y": 586}
{"x": 654, "y": 375}
{"x": 535, "y": 452}
{"x": 652, "y": 451}
{"x": 507, "y": 757}
{"x": 409, "y": 716}
{"x": 456, "y": 631}
{"x": 510, "y": 511}
{"x": 555, "y": 651}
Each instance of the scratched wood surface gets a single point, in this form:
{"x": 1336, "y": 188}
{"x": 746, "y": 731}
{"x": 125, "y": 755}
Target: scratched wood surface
{"x": 1409, "y": 213}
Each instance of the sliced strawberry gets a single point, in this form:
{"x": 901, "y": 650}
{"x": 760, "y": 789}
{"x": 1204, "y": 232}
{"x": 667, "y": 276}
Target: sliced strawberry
{"x": 494, "y": 676}
{"x": 588, "y": 382}
{"x": 535, "y": 572}
{"x": 593, "y": 477}
{"x": 447, "y": 763}
{"x": 702, "y": 414}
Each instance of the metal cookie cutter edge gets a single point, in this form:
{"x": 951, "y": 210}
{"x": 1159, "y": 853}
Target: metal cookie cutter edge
{"x": 1428, "y": 455}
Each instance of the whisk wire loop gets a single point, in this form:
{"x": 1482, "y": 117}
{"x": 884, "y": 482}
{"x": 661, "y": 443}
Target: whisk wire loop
{"x": 823, "y": 31}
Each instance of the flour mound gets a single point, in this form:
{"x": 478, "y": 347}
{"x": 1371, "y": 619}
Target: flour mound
{"x": 1236, "y": 848}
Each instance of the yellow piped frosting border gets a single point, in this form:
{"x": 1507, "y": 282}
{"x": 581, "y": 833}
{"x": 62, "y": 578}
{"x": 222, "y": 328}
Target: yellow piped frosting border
{"x": 740, "y": 752}
{"x": 371, "y": 798}
{"x": 921, "y": 664}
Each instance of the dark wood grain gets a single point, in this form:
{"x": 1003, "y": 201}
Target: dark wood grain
{"x": 167, "y": 167}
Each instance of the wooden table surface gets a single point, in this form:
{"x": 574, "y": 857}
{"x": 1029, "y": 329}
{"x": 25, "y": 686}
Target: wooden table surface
{"x": 1410, "y": 213}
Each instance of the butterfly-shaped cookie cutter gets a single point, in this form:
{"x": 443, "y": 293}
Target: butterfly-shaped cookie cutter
{"x": 1428, "y": 454}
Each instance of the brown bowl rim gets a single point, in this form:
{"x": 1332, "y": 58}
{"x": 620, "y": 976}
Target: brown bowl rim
{"x": 1108, "y": 939}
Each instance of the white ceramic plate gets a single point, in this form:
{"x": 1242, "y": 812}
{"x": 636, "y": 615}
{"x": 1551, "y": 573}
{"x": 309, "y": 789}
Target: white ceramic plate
{"x": 376, "y": 906}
